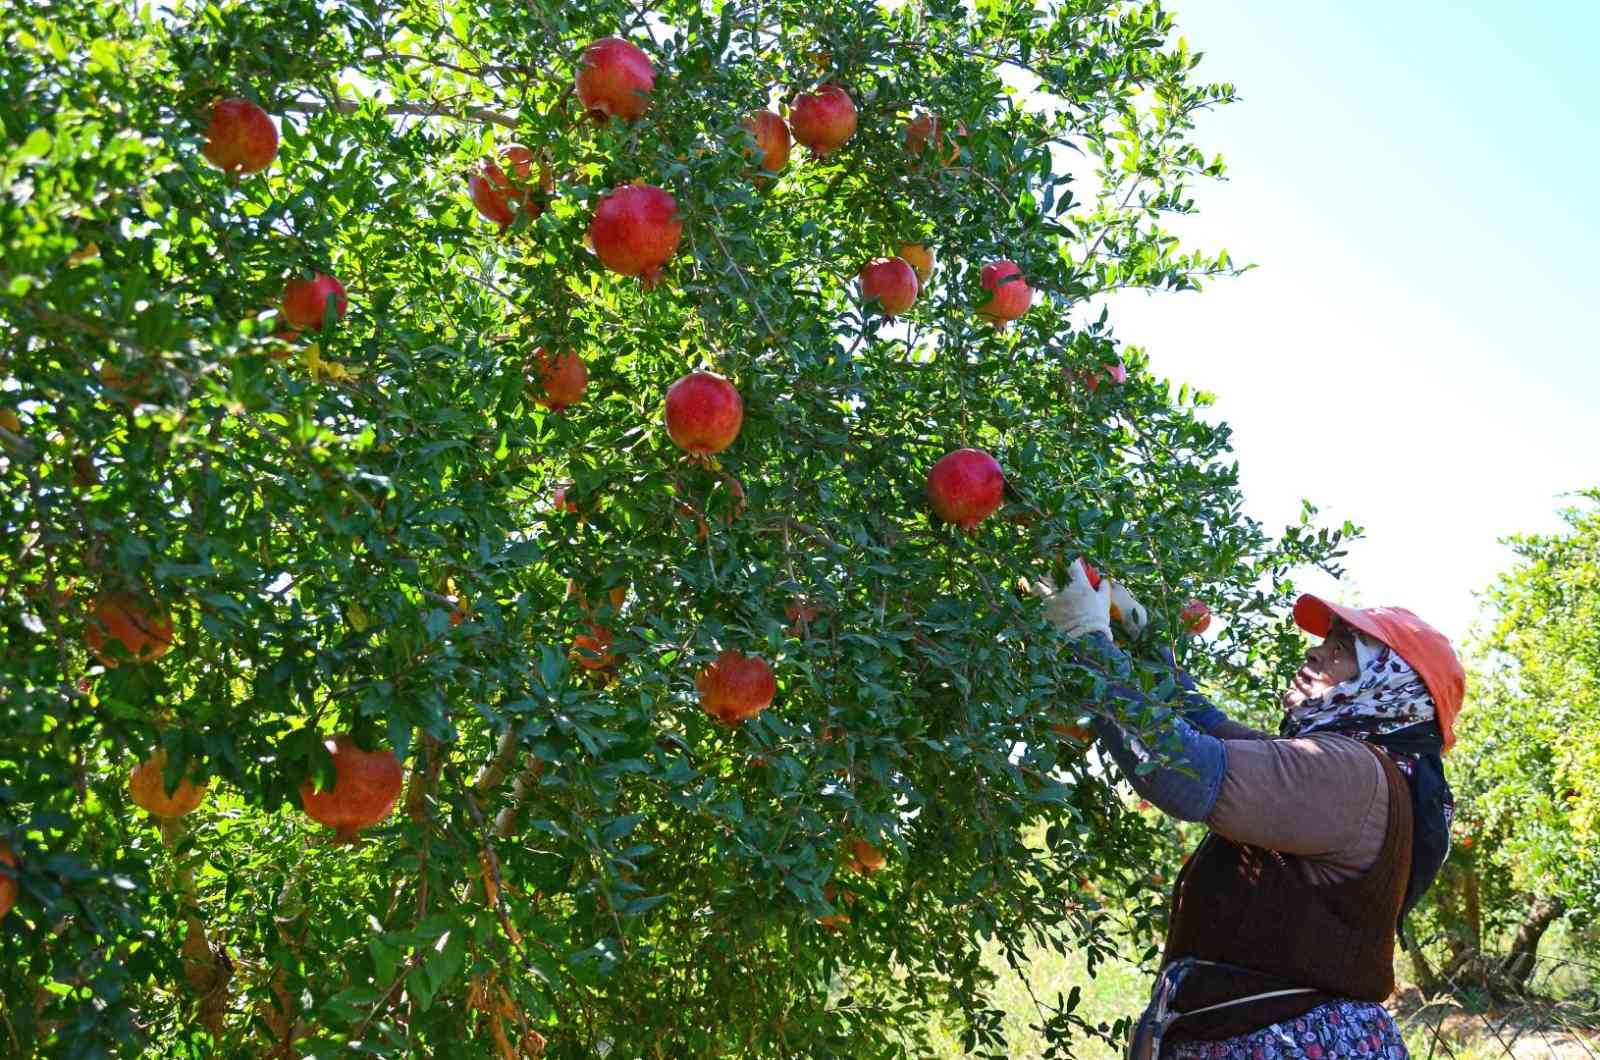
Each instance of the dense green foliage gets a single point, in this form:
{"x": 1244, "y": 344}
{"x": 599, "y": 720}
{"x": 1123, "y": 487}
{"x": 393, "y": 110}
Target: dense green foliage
{"x": 1528, "y": 834}
{"x": 361, "y": 536}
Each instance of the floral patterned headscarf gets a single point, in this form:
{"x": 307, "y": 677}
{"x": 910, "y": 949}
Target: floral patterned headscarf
{"x": 1385, "y": 695}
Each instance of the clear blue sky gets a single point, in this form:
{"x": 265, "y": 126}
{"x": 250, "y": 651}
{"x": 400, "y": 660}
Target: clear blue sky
{"x": 1417, "y": 350}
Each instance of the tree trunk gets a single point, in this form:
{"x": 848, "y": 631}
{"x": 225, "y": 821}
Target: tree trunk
{"x": 1428, "y": 980}
{"x": 1523, "y": 957}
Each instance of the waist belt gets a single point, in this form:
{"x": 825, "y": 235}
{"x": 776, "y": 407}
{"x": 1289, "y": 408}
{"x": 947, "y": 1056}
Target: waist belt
{"x": 1145, "y": 1041}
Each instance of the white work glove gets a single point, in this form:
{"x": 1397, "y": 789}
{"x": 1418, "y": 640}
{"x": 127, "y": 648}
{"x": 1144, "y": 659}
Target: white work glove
{"x": 1127, "y": 610}
{"x": 1077, "y": 610}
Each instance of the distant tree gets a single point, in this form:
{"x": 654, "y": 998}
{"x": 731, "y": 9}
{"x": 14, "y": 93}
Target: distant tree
{"x": 1526, "y": 846}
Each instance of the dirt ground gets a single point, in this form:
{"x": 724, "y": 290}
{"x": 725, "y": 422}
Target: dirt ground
{"x": 1538, "y": 1031}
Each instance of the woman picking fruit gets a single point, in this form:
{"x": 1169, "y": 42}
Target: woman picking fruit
{"x": 1281, "y": 935}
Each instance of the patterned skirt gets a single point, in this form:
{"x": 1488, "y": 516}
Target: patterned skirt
{"x": 1333, "y": 1031}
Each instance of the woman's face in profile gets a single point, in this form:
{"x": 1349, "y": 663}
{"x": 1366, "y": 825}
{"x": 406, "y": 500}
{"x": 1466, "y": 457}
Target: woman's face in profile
{"x": 1326, "y": 666}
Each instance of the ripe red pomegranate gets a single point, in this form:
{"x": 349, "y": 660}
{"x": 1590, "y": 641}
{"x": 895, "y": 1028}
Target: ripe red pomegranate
{"x": 140, "y": 634}
{"x": 837, "y": 921}
{"x": 1195, "y": 616}
{"x": 1009, "y": 298}
{"x": 149, "y": 789}
{"x": 240, "y": 137}
{"x": 893, "y": 282}
{"x": 615, "y": 79}
{"x": 592, "y": 650}
{"x": 919, "y": 257}
{"x": 635, "y": 231}
{"x": 800, "y": 615}
{"x": 1072, "y": 732}
{"x": 704, "y": 413}
{"x": 561, "y": 381}
{"x": 1114, "y": 374}
{"x": 498, "y": 196}
{"x": 8, "y": 881}
{"x": 736, "y": 687}
{"x": 771, "y": 138}
{"x": 966, "y": 487}
{"x": 304, "y": 301}
{"x": 865, "y": 858}
{"x": 924, "y": 129}
{"x": 615, "y": 596}
{"x": 823, "y": 120}
{"x": 365, "y": 787}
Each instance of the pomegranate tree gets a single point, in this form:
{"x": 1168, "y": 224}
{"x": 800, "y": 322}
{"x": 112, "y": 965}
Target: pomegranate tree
{"x": 240, "y": 137}
{"x": 635, "y": 231}
{"x": 966, "y": 487}
{"x": 736, "y": 687}
{"x": 824, "y": 119}
{"x": 147, "y": 785}
{"x": 891, "y": 282}
{"x": 374, "y": 538}
{"x": 306, "y": 302}
{"x": 704, "y": 413}
{"x": 615, "y": 79}
{"x": 365, "y": 787}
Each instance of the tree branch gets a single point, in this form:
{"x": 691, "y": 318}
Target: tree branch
{"x": 421, "y": 110}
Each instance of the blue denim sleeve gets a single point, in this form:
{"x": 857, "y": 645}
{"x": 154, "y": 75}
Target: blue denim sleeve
{"x": 1197, "y": 709}
{"x": 1187, "y": 788}
{"x": 1186, "y": 785}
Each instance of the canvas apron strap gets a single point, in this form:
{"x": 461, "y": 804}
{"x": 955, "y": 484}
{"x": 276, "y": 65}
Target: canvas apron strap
{"x": 1145, "y": 1041}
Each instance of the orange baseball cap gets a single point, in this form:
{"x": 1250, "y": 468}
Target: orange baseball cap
{"x": 1425, "y": 648}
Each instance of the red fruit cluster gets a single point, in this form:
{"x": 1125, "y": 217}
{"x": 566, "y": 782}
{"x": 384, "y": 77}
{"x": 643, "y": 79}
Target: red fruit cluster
{"x": 240, "y": 137}
{"x": 8, "y": 879}
{"x": 966, "y": 487}
{"x": 635, "y": 231}
{"x": 924, "y": 129}
{"x": 305, "y": 302}
{"x": 365, "y": 788}
{"x": 561, "y": 379}
{"x": 500, "y": 196}
{"x": 615, "y": 79}
{"x": 147, "y": 786}
{"x": 704, "y": 413}
{"x": 1195, "y": 616}
{"x": 891, "y": 283}
{"x": 770, "y": 137}
{"x": 1010, "y": 294}
{"x": 736, "y": 687}
{"x": 823, "y": 120}
{"x": 121, "y": 628}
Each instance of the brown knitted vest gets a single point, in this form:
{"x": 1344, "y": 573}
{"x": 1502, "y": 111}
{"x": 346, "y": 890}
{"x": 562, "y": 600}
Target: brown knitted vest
{"x": 1249, "y": 907}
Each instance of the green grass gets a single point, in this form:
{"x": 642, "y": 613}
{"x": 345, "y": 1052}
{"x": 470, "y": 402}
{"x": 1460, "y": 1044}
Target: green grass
{"x": 1117, "y": 990}
{"x": 1121, "y": 989}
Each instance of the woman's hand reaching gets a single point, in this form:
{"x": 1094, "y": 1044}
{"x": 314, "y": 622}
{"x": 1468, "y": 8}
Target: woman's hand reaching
{"x": 1076, "y": 609}
{"x": 1079, "y": 609}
